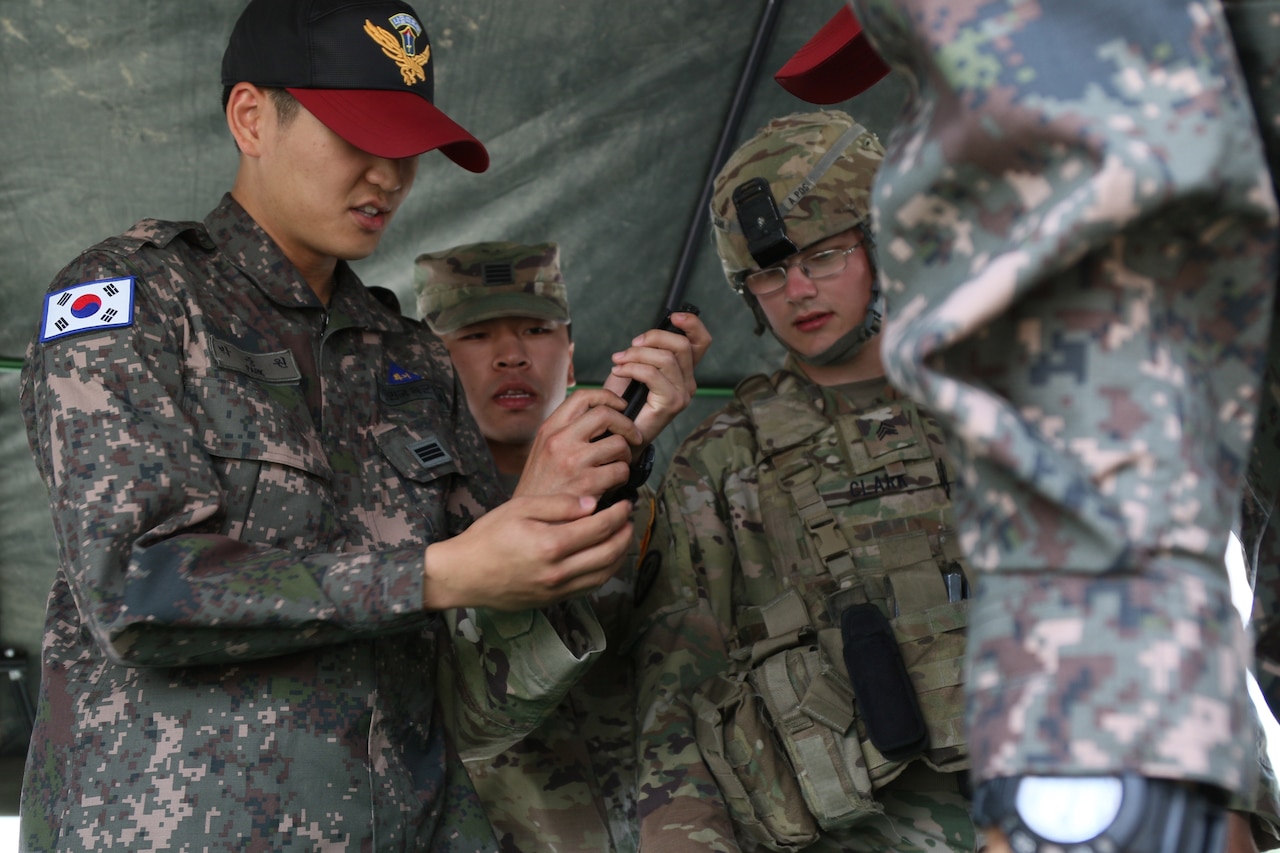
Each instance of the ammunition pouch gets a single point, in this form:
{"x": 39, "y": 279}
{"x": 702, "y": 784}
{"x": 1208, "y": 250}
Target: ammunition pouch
{"x": 811, "y": 707}
{"x": 792, "y": 708}
{"x": 756, "y": 780}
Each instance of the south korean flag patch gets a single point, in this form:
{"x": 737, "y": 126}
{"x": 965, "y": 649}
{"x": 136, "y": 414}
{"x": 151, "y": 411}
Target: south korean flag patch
{"x": 87, "y": 307}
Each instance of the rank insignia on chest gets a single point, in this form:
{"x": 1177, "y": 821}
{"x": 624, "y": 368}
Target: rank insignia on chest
{"x": 397, "y": 375}
{"x": 86, "y": 307}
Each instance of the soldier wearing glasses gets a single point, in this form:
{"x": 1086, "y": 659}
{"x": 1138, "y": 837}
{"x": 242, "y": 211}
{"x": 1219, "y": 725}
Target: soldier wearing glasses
{"x": 800, "y": 648}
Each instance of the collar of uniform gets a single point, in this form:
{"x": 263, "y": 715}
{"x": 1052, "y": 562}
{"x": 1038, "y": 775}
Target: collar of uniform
{"x": 853, "y": 396}
{"x": 352, "y": 300}
{"x": 243, "y": 242}
{"x": 240, "y": 239}
{"x": 792, "y": 378}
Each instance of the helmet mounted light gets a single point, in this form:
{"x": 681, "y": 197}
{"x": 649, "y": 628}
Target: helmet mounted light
{"x": 761, "y": 224}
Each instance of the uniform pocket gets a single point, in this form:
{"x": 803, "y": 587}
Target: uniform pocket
{"x": 419, "y": 451}
{"x": 757, "y": 782}
{"x": 237, "y": 418}
{"x": 275, "y": 477}
{"x": 811, "y": 707}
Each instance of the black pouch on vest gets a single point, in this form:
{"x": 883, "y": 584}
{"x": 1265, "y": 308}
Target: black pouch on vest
{"x": 886, "y": 698}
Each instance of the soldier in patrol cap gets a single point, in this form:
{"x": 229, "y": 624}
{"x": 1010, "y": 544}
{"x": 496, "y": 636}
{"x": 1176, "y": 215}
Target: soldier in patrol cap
{"x": 502, "y": 309}
{"x": 291, "y": 594}
{"x": 518, "y": 293}
{"x": 800, "y": 647}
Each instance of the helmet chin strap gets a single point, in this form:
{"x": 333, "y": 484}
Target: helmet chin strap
{"x": 844, "y": 349}
{"x": 850, "y": 344}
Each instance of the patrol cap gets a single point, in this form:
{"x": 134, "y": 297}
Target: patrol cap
{"x": 819, "y": 167}
{"x": 485, "y": 281}
{"x": 362, "y": 67}
{"x": 836, "y": 64}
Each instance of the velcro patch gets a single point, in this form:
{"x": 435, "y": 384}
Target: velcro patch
{"x": 86, "y": 307}
{"x": 276, "y": 367}
{"x": 397, "y": 375}
{"x": 430, "y": 452}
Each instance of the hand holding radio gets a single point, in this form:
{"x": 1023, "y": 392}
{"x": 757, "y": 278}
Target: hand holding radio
{"x": 636, "y": 394}
{"x": 570, "y": 453}
{"x": 659, "y": 371}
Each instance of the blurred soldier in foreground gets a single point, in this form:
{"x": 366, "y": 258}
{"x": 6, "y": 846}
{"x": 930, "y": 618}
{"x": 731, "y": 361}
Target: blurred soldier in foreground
{"x": 502, "y": 309}
{"x": 1079, "y": 246}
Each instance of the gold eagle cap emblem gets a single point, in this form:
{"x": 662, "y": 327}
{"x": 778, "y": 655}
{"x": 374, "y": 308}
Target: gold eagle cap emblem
{"x": 401, "y": 50}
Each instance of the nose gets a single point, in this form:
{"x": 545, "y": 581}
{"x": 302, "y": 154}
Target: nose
{"x": 390, "y": 175}
{"x": 798, "y": 285}
{"x": 510, "y": 352}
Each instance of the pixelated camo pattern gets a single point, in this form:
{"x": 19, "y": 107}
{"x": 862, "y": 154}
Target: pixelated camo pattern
{"x": 1077, "y": 239}
{"x": 235, "y": 654}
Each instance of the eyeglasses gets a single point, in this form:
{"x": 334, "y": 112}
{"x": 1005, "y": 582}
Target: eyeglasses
{"x": 822, "y": 264}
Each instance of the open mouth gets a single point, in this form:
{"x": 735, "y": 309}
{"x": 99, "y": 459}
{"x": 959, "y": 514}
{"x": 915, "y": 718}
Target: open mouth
{"x": 371, "y": 215}
{"x": 514, "y": 398}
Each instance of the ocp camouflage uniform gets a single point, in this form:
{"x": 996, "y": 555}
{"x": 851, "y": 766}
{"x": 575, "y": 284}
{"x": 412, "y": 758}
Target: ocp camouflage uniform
{"x": 242, "y": 482}
{"x": 570, "y": 785}
{"x": 739, "y": 622}
{"x": 1078, "y": 242}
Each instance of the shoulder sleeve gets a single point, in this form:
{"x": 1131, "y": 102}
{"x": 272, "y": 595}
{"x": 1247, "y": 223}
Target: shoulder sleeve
{"x": 137, "y": 507}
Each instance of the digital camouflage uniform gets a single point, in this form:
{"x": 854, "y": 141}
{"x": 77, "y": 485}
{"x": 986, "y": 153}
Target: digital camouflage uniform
{"x": 726, "y": 562}
{"x": 1256, "y": 30}
{"x": 242, "y": 484}
{"x": 1078, "y": 244}
{"x": 569, "y": 786}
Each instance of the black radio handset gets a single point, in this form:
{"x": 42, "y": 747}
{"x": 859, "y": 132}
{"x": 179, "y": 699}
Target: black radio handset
{"x": 635, "y": 395}
{"x": 637, "y": 392}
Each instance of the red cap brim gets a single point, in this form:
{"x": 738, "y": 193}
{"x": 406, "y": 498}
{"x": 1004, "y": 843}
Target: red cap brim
{"x": 834, "y": 65}
{"x": 393, "y": 124}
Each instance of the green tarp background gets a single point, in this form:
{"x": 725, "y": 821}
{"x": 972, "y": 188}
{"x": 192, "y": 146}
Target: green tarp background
{"x": 601, "y": 119}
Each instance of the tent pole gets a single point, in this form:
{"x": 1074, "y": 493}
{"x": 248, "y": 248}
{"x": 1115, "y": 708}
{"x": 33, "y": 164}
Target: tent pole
{"x": 729, "y": 133}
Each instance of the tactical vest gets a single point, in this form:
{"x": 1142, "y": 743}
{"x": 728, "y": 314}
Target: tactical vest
{"x": 856, "y": 511}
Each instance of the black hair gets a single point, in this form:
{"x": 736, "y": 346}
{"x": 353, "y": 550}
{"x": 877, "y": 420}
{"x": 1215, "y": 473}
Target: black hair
{"x": 286, "y": 105}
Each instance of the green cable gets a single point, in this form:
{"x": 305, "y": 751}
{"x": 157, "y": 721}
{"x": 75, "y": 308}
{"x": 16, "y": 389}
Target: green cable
{"x": 713, "y": 391}
{"x": 15, "y": 364}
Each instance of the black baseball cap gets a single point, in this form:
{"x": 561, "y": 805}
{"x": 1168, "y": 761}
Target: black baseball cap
{"x": 362, "y": 67}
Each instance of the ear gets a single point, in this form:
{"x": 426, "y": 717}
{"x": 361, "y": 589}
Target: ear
{"x": 570, "y": 381}
{"x": 246, "y": 117}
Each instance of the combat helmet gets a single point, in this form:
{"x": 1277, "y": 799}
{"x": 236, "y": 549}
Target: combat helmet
{"x": 815, "y": 170}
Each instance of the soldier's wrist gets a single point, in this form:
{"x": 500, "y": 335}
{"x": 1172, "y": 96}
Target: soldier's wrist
{"x": 435, "y": 589}
{"x": 1102, "y": 814}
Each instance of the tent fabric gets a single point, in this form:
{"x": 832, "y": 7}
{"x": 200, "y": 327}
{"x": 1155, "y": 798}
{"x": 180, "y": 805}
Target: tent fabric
{"x": 601, "y": 120}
